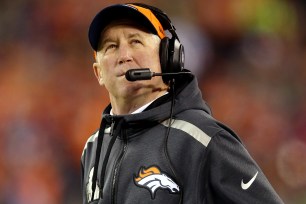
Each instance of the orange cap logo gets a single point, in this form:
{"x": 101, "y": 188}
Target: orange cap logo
{"x": 152, "y": 18}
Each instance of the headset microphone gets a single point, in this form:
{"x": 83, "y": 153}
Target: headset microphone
{"x": 146, "y": 74}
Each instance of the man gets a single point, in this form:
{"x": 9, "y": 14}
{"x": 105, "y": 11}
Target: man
{"x": 157, "y": 142}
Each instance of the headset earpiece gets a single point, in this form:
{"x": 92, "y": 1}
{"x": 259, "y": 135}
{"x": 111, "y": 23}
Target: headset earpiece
{"x": 171, "y": 53}
{"x": 176, "y": 56}
{"x": 163, "y": 54}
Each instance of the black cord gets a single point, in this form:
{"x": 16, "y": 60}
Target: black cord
{"x": 172, "y": 91}
{"x": 97, "y": 157}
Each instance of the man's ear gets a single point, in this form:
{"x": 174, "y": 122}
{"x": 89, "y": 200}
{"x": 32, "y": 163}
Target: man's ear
{"x": 98, "y": 73}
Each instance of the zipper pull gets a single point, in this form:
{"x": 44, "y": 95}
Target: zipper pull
{"x": 112, "y": 127}
{"x": 101, "y": 193}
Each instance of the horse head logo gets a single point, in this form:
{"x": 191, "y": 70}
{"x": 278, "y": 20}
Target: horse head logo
{"x": 153, "y": 179}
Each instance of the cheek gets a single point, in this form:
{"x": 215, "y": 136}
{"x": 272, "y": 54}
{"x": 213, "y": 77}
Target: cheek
{"x": 108, "y": 68}
{"x": 107, "y": 62}
{"x": 151, "y": 60}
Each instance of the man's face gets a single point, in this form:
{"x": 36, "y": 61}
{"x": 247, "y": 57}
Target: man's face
{"x": 124, "y": 47}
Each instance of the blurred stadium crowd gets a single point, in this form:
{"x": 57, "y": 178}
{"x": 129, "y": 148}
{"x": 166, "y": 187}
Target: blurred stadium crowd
{"x": 249, "y": 57}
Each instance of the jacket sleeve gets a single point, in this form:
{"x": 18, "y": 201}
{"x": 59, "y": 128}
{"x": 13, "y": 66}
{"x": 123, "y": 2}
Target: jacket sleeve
{"x": 233, "y": 176}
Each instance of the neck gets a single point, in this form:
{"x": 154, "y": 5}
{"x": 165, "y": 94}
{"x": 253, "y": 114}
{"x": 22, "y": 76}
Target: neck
{"x": 122, "y": 106}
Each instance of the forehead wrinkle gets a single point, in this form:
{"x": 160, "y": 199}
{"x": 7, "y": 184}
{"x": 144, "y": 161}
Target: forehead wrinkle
{"x": 134, "y": 34}
{"x": 122, "y": 22}
{"x": 110, "y": 38}
{"x": 106, "y": 40}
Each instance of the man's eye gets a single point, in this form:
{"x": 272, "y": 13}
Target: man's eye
{"x": 136, "y": 41}
{"x": 109, "y": 47}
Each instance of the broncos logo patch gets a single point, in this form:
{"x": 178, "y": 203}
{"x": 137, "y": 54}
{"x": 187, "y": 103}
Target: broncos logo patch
{"x": 153, "y": 179}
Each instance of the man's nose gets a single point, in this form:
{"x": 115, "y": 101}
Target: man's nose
{"x": 124, "y": 54}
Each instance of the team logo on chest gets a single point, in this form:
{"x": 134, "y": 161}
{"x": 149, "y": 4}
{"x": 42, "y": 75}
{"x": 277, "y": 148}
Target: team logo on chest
{"x": 153, "y": 179}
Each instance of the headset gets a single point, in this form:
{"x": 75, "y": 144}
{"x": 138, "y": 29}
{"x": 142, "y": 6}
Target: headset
{"x": 171, "y": 51}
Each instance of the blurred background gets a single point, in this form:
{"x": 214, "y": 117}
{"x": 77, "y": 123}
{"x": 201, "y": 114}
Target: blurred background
{"x": 249, "y": 57}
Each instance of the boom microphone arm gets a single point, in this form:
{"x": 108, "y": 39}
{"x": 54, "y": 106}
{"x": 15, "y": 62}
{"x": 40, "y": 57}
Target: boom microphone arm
{"x": 146, "y": 74}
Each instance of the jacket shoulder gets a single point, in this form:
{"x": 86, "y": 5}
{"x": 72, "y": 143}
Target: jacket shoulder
{"x": 91, "y": 139}
{"x": 205, "y": 122}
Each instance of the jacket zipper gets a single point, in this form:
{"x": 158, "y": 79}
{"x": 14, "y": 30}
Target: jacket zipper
{"x": 116, "y": 170}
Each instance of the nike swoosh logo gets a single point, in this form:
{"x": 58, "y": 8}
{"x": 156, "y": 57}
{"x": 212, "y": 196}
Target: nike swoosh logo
{"x": 247, "y": 185}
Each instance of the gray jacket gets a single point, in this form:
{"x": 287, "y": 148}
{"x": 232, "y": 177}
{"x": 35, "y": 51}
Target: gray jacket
{"x": 161, "y": 157}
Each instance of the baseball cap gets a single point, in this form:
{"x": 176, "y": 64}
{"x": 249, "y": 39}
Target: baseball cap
{"x": 141, "y": 15}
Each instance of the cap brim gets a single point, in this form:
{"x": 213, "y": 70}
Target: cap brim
{"x": 111, "y": 13}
